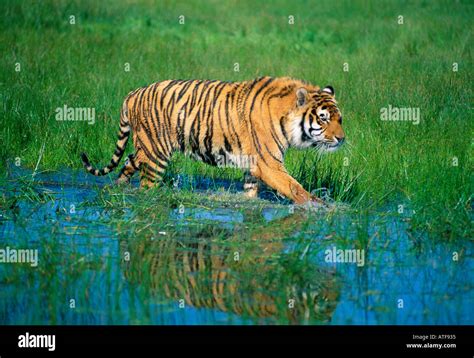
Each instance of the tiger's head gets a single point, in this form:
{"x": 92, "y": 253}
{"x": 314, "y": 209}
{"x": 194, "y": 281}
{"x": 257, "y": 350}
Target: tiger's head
{"x": 316, "y": 121}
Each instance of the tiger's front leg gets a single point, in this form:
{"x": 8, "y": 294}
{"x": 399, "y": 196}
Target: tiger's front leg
{"x": 277, "y": 178}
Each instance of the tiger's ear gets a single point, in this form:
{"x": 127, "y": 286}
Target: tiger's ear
{"x": 329, "y": 89}
{"x": 301, "y": 94}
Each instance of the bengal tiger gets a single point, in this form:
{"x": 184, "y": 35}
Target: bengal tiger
{"x": 224, "y": 122}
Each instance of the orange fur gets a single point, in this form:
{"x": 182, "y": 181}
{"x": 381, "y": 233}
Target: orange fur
{"x": 249, "y": 124}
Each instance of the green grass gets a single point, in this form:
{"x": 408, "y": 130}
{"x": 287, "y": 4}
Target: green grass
{"x": 387, "y": 163}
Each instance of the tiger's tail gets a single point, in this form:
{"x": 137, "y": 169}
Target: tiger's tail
{"x": 122, "y": 141}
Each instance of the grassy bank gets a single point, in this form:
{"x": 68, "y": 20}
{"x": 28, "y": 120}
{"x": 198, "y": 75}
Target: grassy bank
{"x": 425, "y": 167}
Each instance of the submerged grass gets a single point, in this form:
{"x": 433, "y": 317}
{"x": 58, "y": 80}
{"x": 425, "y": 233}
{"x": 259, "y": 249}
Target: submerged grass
{"x": 426, "y": 167}
{"x": 131, "y": 257}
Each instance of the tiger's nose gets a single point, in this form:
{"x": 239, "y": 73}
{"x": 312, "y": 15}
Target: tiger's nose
{"x": 340, "y": 139}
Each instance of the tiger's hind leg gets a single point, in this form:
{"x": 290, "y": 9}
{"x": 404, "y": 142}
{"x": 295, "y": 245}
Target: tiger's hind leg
{"x": 130, "y": 167}
{"x": 151, "y": 171}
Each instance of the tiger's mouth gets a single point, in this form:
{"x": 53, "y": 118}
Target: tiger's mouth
{"x": 327, "y": 146}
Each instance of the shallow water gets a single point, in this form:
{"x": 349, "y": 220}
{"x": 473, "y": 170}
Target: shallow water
{"x": 248, "y": 262}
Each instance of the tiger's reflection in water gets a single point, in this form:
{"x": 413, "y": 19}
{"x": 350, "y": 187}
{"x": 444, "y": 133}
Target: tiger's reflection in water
{"x": 248, "y": 272}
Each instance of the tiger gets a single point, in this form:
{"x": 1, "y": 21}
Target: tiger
{"x": 220, "y": 122}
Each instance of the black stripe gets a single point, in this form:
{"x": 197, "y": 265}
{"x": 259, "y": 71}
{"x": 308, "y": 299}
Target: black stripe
{"x": 202, "y": 111}
{"x": 273, "y": 131}
{"x": 183, "y": 90}
{"x": 283, "y": 130}
{"x": 285, "y": 92}
{"x": 131, "y": 159}
{"x": 158, "y": 126}
{"x": 165, "y": 90}
{"x": 138, "y": 101}
{"x": 122, "y": 135}
{"x": 271, "y": 154}
{"x": 227, "y": 145}
{"x": 254, "y": 136}
{"x": 304, "y": 136}
{"x": 180, "y": 128}
{"x": 194, "y": 94}
{"x": 148, "y": 176}
{"x": 167, "y": 122}
{"x": 152, "y": 170}
{"x": 230, "y": 123}
{"x": 150, "y": 123}
{"x": 148, "y": 153}
{"x": 208, "y": 139}
{"x": 258, "y": 92}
